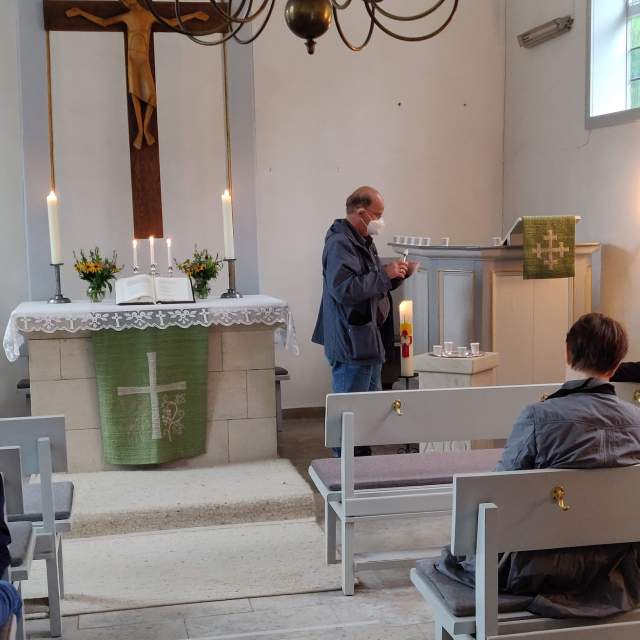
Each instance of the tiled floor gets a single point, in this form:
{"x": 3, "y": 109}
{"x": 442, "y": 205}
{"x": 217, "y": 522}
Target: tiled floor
{"x": 385, "y": 607}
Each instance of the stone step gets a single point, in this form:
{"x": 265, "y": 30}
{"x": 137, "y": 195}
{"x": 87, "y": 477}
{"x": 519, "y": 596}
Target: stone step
{"x": 118, "y": 502}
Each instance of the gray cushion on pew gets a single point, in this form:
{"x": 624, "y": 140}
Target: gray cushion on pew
{"x": 62, "y": 500}
{"x": 21, "y": 533}
{"x": 460, "y": 599}
{"x": 413, "y": 469}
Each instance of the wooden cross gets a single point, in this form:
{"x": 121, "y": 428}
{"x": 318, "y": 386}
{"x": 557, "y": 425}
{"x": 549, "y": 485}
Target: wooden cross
{"x": 138, "y": 26}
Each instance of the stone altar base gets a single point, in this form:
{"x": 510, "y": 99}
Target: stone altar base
{"x": 241, "y": 405}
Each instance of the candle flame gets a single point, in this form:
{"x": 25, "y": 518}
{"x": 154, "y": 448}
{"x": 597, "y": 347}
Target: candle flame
{"x": 226, "y": 194}
{"x": 151, "y": 239}
{"x": 52, "y": 196}
{"x": 135, "y": 243}
{"x": 168, "y": 242}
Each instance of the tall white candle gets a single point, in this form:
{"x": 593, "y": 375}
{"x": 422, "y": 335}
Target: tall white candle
{"x": 227, "y": 222}
{"x": 135, "y": 254}
{"x": 169, "y": 252}
{"x": 54, "y": 228}
{"x": 406, "y": 338}
{"x": 152, "y": 251}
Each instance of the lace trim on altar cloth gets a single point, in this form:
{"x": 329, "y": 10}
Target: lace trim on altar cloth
{"x": 159, "y": 318}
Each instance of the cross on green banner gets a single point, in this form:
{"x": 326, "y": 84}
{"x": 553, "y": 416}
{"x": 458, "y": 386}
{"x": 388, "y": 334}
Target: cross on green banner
{"x": 549, "y": 247}
{"x": 152, "y": 392}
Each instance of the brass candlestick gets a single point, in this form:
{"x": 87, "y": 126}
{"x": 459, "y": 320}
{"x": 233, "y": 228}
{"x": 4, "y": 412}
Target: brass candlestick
{"x": 231, "y": 291}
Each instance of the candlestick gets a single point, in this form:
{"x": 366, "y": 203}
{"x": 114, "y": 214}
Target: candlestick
{"x": 58, "y": 298}
{"x": 54, "y": 228}
{"x": 406, "y": 338}
{"x": 227, "y": 223}
{"x": 231, "y": 291}
{"x": 152, "y": 251}
{"x": 135, "y": 256}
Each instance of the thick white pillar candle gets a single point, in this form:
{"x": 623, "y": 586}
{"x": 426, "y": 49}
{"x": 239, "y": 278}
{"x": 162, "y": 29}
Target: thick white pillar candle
{"x": 135, "y": 254}
{"x": 54, "y": 228}
{"x": 152, "y": 250}
{"x": 406, "y": 338}
{"x": 227, "y": 222}
{"x": 169, "y": 252}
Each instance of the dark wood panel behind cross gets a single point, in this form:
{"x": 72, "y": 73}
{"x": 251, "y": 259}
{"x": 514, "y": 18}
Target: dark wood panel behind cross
{"x": 138, "y": 25}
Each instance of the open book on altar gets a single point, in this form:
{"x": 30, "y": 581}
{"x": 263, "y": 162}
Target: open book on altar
{"x": 515, "y": 235}
{"x": 144, "y": 289}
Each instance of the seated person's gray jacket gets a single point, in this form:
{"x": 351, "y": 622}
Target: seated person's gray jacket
{"x": 582, "y": 426}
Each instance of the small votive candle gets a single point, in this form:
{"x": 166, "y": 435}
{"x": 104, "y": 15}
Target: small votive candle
{"x": 497, "y": 241}
{"x": 462, "y": 351}
{"x": 445, "y": 242}
{"x": 437, "y": 349}
{"x": 475, "y": 348}
{"x": 448, "y": 347}
{"x": 425, "y": 242}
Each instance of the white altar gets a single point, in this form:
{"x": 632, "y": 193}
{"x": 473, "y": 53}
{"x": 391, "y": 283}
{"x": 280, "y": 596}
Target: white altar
{"x": 241, "y": 407}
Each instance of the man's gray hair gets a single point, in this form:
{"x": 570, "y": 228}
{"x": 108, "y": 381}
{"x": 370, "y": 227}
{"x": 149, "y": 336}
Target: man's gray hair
{"x": 358, "y": 200}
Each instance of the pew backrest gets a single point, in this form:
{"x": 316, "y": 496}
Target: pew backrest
{"x": 600, "y": 509}
{"x": 26, "y": 432}
{"x": 434, "y": 415}
{"x": 12, "y": 474}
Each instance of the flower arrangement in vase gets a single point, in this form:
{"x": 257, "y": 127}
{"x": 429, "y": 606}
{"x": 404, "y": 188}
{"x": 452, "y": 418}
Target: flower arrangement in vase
{"x": 200, "y": 269}
{"x": 97, "y": 271}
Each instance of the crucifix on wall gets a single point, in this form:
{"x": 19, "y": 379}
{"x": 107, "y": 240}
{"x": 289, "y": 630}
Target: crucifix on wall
{"x": 138, "y": 25}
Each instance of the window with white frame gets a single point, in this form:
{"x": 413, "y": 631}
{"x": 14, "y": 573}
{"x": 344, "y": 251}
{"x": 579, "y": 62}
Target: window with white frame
{"x": 614, "y": 69}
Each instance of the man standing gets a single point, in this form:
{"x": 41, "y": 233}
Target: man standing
{"x": 355, "y": 297}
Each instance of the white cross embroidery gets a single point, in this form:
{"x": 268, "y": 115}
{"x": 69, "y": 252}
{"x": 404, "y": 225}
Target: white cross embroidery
{"x": 550, "y": 251}
{"x": 154, "y": 390}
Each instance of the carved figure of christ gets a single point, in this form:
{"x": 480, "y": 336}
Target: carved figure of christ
{"x": 142, "y": 86}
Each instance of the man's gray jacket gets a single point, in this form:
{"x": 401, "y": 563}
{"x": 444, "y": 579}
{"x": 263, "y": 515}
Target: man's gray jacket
{"x": 582, "y": 426}
{"x": 355, "y": 286}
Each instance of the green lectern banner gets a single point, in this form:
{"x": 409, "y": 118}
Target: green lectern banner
{"x": 152, "y": 391}
{"x": 549, "y": 247}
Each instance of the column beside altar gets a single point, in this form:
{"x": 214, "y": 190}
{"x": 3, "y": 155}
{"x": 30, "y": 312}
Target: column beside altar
{"x": 240, "y": 376}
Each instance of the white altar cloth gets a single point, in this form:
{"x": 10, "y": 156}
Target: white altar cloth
{"x": 86, "y": 316}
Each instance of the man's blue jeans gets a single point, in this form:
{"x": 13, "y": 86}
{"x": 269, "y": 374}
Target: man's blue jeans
{"x": 349, "y": 377}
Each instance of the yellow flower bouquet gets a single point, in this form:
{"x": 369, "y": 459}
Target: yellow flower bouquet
{"x": 97, "y": 271}
{"x": 201, "y": 268}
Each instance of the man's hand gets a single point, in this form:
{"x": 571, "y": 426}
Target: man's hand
{"x": 414, "y": 266}
{"x": 396, "y": 269}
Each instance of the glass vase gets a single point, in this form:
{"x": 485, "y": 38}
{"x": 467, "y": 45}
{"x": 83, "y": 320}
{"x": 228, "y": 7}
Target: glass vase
{"x": 96, "y": 293}
{"x": 201, "y": 289}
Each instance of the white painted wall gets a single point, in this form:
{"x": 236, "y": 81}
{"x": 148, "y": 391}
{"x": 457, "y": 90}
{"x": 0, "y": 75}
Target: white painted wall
{"x": 553, "y": 165}
{"x": 12, "y": 238}
{"x": 421, "y": 122}
{"x": 92, "y": 147}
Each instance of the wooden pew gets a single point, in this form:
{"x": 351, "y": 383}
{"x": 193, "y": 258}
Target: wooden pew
{"x": 406, "y": 485}
{"x": 516, "y": 511}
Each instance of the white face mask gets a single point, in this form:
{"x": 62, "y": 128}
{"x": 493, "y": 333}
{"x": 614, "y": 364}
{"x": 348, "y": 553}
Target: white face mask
{"x": 375, "y": 227}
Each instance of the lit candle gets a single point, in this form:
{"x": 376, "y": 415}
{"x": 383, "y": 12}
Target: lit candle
{"x": 135, "y": 254}
{"x": 54, "y": 228}
{"x": 152, "y": 251}
{"x": 406, "y": 338}
{"x": 227, "y": 222}
{"x": 169, "y": 252}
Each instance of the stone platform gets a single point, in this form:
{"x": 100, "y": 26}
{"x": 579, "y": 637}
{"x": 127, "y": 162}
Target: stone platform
{"x": 120, "y": 502}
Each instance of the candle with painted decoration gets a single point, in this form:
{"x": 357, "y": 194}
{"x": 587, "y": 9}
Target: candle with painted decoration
{"x": 227, "y": 222}
{"x": 169, "y": 252}
{"x": 135, "y": 254}
{"x": 54, "y": 228}
{"x": 406, "y": 338}
{"x": 152, "y": 250}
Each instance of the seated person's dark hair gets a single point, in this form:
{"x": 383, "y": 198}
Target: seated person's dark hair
{"x": 596, "y": 344}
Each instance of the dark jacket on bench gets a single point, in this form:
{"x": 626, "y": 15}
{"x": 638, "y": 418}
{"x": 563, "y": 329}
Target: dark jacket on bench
{"x": 582, "y": 426}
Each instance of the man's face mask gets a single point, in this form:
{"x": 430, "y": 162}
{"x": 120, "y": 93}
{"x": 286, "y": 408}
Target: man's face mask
{"x": 375, "y": 227}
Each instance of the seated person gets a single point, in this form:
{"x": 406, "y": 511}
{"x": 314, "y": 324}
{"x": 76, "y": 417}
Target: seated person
{"x": 584, "y": 425}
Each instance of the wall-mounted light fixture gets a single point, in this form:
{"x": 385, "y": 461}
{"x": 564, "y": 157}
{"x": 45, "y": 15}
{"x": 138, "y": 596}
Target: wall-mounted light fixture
{"x": 546, "y": 31}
